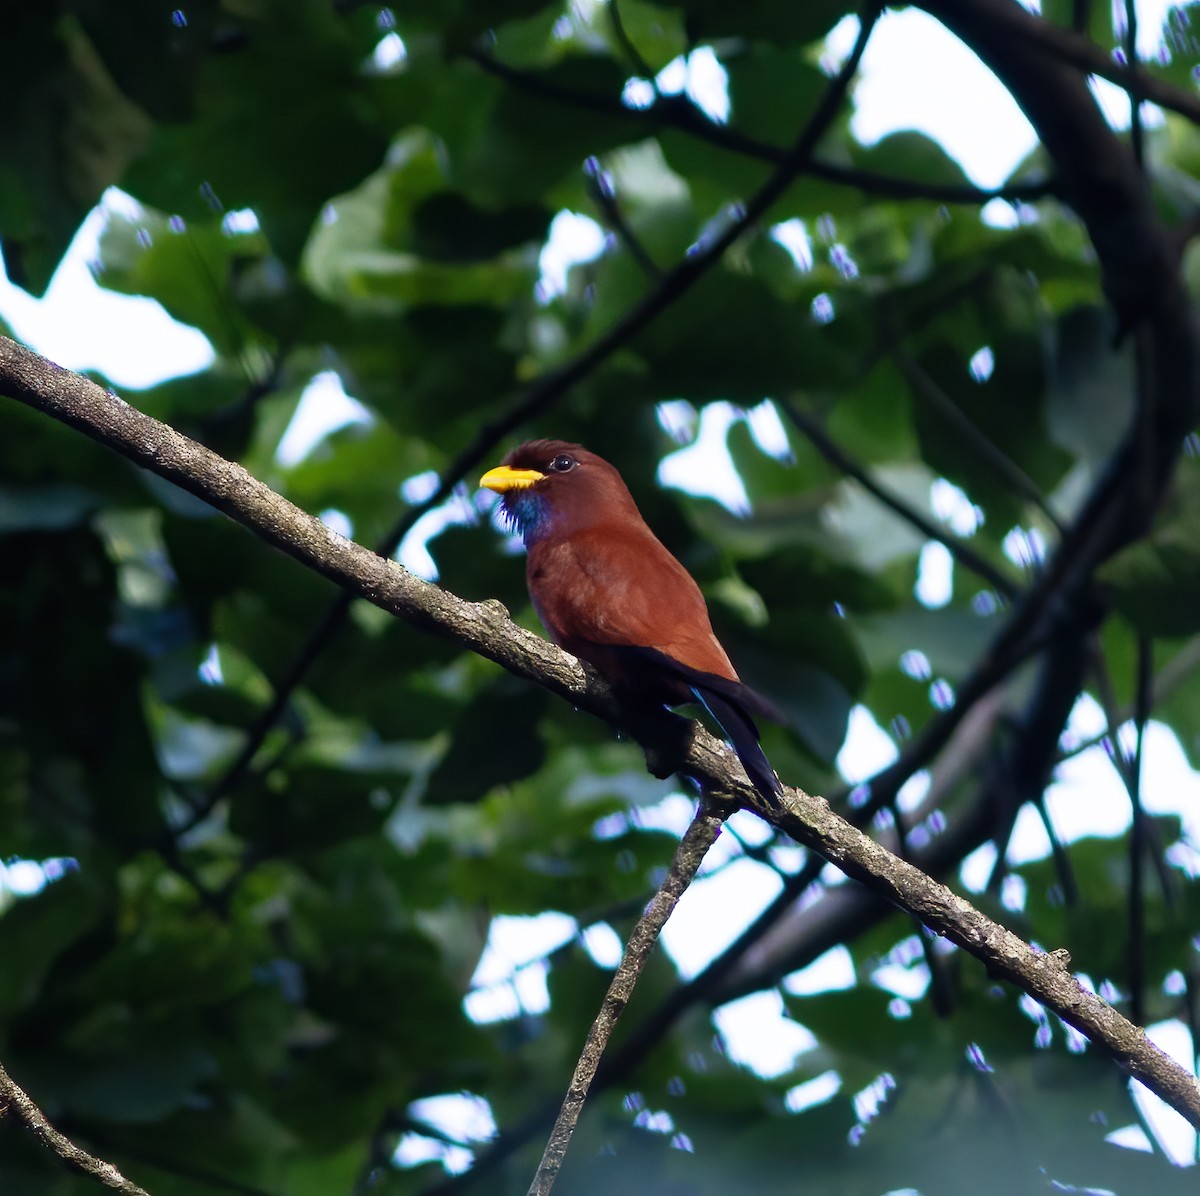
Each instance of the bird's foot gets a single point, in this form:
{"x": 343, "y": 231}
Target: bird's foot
{"x": 665, "y": 739}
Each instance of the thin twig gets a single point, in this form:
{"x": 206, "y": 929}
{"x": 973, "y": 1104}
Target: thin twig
{"x": 645, "y": 1036}
{"x": 1137, "y": 134}
{"x": 698, "y": 838}
{"x": 601, "y": 190}
{"x": 679, "y": 113}
{"x": 1058, "y": 851}
{"x": 963, "y": 553}
{"x": 1138, "y": 837}
{"x": 1127, "y": 764}
{"x": 933, "y": 396}
{"x": 15, "y": 1103}
{"x": 639, "y": 64}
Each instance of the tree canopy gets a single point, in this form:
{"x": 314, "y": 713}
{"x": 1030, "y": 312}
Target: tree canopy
{"x": 260, "y": 832}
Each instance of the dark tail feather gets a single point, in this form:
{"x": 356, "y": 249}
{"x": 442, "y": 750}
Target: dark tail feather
{"x": 743, "y": 734}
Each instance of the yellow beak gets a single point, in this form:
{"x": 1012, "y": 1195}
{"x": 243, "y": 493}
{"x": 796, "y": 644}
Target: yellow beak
{"x": 503, "y": 478}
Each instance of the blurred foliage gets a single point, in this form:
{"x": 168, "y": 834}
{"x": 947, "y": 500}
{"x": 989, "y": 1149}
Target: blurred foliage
{"x": 245, "y": 982}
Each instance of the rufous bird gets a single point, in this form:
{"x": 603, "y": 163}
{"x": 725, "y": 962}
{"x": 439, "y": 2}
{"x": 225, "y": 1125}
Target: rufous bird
{"x": 609, "y": 592}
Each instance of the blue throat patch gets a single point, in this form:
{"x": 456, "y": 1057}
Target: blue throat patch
{"x": 528, "y": 514}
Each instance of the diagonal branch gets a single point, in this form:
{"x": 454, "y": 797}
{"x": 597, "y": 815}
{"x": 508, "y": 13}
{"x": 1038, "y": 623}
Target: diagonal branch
{"x": 677, "y": 112}
{"x": 631, "y": 51}
{"x": 601, "y": 190}
{"x": 962, "y": 552}
{"x": 17, "y": 1104}
{"x": 1015, "y": 23}
{"x": 697, "y": 839}
{"x": 925, "y": 389}
{"x": 485, "y": 628}
{"x": 756, "y": 959}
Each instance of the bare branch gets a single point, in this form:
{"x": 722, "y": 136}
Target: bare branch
{"x": 1139, "y": 835}
{"x": 677, "y": 112}
{"x": 1015, "y": 23}
{"x": 782, "y": 937}
{"x": 601, "y": 190}
{"x": 1098, "y": 175}
{"x": 696, "y": 841}
{"x": 929, "y": 392}
{"x": 17, "y": 1104}
{"x": 636, "y": 60}
{"x": 962, "y": 552}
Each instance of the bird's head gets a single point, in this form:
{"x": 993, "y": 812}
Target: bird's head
{"x": 555, "y": 487}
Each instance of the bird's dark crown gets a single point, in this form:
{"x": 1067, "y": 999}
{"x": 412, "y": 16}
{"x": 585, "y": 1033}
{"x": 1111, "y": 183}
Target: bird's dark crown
{"x": 542, "y": 455}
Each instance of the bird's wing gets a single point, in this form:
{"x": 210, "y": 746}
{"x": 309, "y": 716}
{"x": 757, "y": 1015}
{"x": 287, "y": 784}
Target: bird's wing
{"x": 618, "y": 598}
{"x": 620, "y": 586}
{"x": 727, "y": 688}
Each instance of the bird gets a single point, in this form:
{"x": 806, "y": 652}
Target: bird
{"x": 610, "y": 592}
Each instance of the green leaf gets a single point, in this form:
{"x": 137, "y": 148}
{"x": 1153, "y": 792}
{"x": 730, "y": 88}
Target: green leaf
{"x": 287, "y": 118}
{"x": 39, "y": 929}
{"x": 710, "y": 19}
{"x": 758, "y": 78}
{"x": 1091, "y": 399}
{"x": 46, "y": 508}
{"x": 70, "y": 134}
{"x": 1153, "y": 582}
{"x": 494, "y": 741}
{"x": 188, "y": 269}
{"x": 909, "y": 155}
{"x": 447, "y": 226}
{"x": 486, "y": 127}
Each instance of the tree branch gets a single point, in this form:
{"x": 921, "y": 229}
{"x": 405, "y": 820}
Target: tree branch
{"x": 689, "y": 855}
{"x": 925, "y": 389}
{"x": 962, "y": 552}
{"x": 636, "y": 60}
{"x": 677, "y": 112}
{"x": 1016, "y": 24}
{"x": 485, "y": 628}
{"x": 601, "y": 190}
{"x": 779, "y": 940}
{"x": 1099, "y": 177}
{"x": 15, "y": 1103}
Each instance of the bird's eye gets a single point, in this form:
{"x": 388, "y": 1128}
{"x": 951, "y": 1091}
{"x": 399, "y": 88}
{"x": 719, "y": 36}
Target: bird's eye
{"x": 562, "y": 463}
